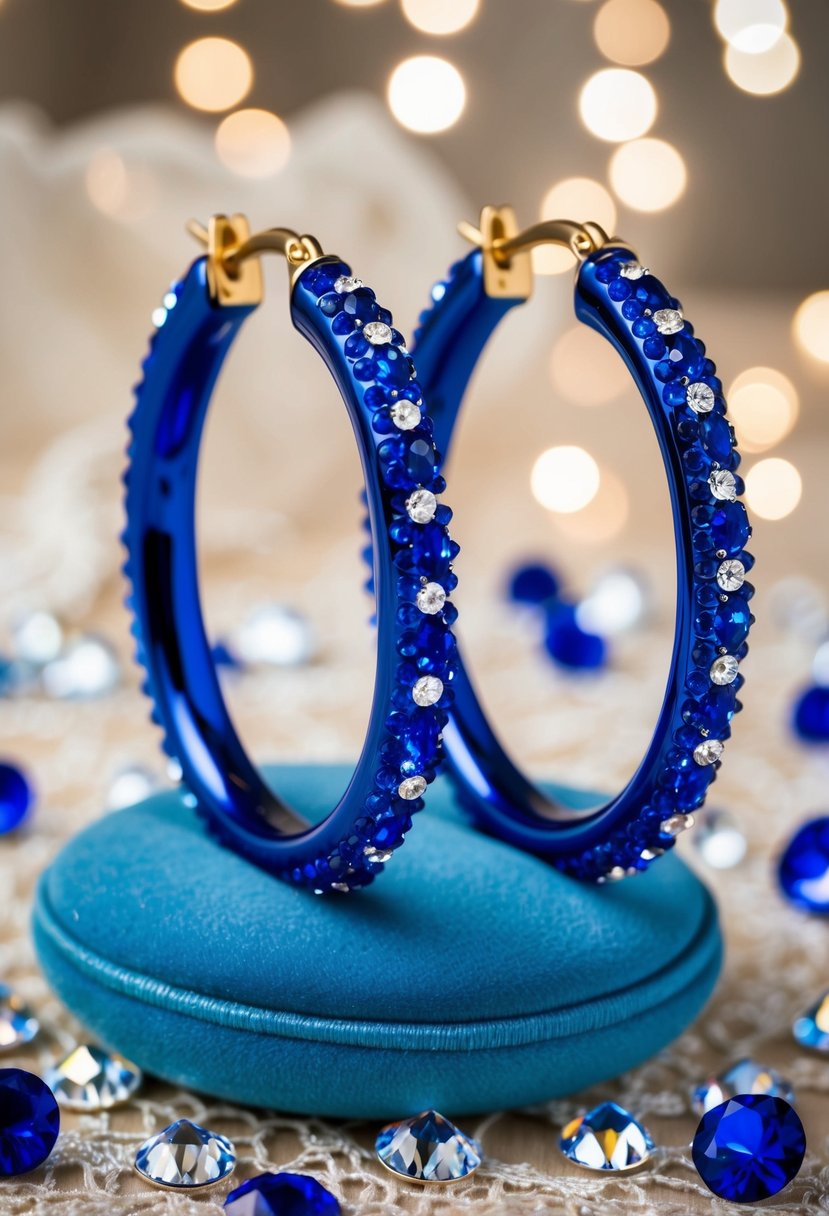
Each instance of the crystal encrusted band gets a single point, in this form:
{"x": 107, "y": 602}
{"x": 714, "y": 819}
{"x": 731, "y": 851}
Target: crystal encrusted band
{"x": 413, "y": 577}
{"x": 618, "y": 297}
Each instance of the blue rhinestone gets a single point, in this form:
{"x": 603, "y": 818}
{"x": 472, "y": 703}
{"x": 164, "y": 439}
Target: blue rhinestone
{"x": 812, "y": 1029}
{"x": 727, "y": 525}
{"x": 533, "y": 584}
{"x": 29, "y": 1122}
{"x": 16, "y": 797}
{"x": 811, "y": 715}
{"x": 744, "y": 1077}
{"x": 570, "y": 645}
{"x": 715, "y": 434}
{"x": 687, "y": 785}
{"x": 606, "y": 1138}
{"x": 282, "y": 1195}
{"x": 804, "y": 866}
{"x": 749, "y": 1148}
{"x": 432, "y": 550}
{"x": 715, "y": 710}
{"x": 360, "y": 304}
{"x": 391, "y": 367}
{"x": 732, "y": 621}
{"x": 428, "y": 1148}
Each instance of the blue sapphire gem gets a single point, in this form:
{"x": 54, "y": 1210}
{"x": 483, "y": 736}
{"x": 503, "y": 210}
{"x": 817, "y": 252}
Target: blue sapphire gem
{"x": 361, "y": 305}
{"x": 811, "y": 715}
{"x": 715, "y": 434}
{"x": 29, "y": 1122}
{"x": 744, "y": 1077}
{"x": 281, "y": 1195}
{"x": 428, "y": 1148}
{"x": 812, "y": 1029}
{"x": 804, "y": 866}
{"x": 730, "y": 529}
{"x": 749, "y": 1148}
{"x": 606, "y": 1138}
{"x": 570, "y": 645}
{"x": 715, "y": 711}
{"x": 391, "y": 368}
{"x": 533, "y": 583}
{"x": 732, "y": 621}
{"x": 16, "y": 797}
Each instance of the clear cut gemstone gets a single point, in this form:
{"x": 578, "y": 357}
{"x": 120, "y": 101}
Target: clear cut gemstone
{"x": 608, "y": 1137}
{"x": 185, "y": 1156}
{"x": 346, "y": 283}
{"x": 731, "y": 574}
{"x": 92, "y": 1079}
{"x": 723, "y": 484}
{"x": 675, "y": 825}
{"x": 37, "y": 638}
{"x": 428, "y": 690}
{"x": 276, "y": 635}
{"x": 406, "y": 415}
{"x": 708, "y": 752}
{"x": 428, "y": 1148}
{"x": 718, "y": 839}
{"x": 377, "y": 333}
{"x": 700, "y": 397}
{"x": 744, "y": 1077}
{"x": 632, "y": 270}
{"x": 18, "y": 1025}
{"x": 812, "y": 1029}
{"x": 430, "y": 598}
{"x": 411, "y": 788}
{"x": 130, "y": 785}
{"x": 88, "y": 667}
{"x": 421, "y": 506}
{"x": 724, "y": 669}
{"x": 668, "y": 320}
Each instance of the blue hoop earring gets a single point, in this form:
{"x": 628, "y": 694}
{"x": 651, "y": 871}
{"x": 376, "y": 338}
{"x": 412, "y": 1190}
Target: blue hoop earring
{"x": 413, "y": 574}
{"x": 618, "y": 297}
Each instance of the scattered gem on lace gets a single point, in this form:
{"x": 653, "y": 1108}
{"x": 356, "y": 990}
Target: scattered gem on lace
{"x": 731, "y": 575}
{"x": 428, "y": 1148}
{"x": 274, "y": 635}
{"x": 431, "y": 598}
{"x": 29, "y": 1122}
{"x": 281, "y": 1195}
{"x": 700, "y": 397}
{"x": 406, "y": 415}
{"x": 377, "y": 333}
{"x": 37, "y": 639}
{"x": 812, "y": 1029}
{"x": 744, "y": 1077}
{"x": 185, "y": 1156}
{"x": 421, "y": 506}
{"x": 90, "y": 1079}
{"x": 16, "y": 797}
{"x": 606, "y": 1138}
{"x": 709, "y": 751}
{"x": 718, "y": 839}
{"x": 346, "y": 283}
{"x": 130, "y": 785}
{"x": 723, "y": 485}
{"x": 668, "y": 320}
{"x": 411, "y": 788}
{"x": 749, "y": 1148}
{"x": 724, "y": 670}
{"x": 804, "y": 867}
{"x": 18, "y": 1025}
{"x": 428, "y": 690}
{"x": 87, "y": 667}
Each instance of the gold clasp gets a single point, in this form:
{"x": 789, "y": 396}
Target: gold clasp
{"x": 506, "y": 251}
{"x": 234, "y": 275}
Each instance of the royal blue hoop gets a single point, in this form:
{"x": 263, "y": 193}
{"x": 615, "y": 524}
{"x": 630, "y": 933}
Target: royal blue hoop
{"x": 412, "y": 576}
{"x": 627, "y": 305}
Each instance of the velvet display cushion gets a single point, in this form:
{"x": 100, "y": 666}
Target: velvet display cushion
{"x": 470, "y": 977}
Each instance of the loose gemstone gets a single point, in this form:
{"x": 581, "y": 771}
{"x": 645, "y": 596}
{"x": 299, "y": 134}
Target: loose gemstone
{"x": 632, "y": 270}
{"x": 749, "y": 1148}
{"x": 87, "y": 668}
{"x": 723, "y": 484}
{"x": 668, "y": 320}
{"x": 428, "y": 690}
{"x": 708, "y": 752}
{"x": 534, "y": 583}
{"x": 281, "y": 1195}
{"x": 718, "y": 839}
{"x": 18, "y": 1025}
{"x": 700, "y": 397}
{"x": 811, "y": 714}
{"x": 674, "y": 825}
{"x": 406, "y": 415}
{"x": 615, "y": 603}
{"x": 744, "y": 1077}
{"x": 421, "y": 506}
{"x": 428, "y": 1148}
{"x": 346, "y": 283}
{"x": 812, "y": 1029}
{"x": 606, "y": 1138}
{"x": 411, "y": 788}
{"x": 130, "y": 785}
{"x": 37, "y": 638}
{"x": 185, "y": 1156}
{"x": 90, "y": 1079}
{"x": 276, "y": 635}
{"x": 16, "y": 797}
{"x": 29, "y": 1122}
{"x": 724, "y": 669}
{"x": 377, "y": 333}
{"x": 570, "y": 645}
{"x": 804, "y": 866}
{"x": 731, "y": 574}
{"x": 431, "y": 598}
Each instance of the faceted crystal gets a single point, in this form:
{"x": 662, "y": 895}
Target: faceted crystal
{"x": 185, "y": 1156}
{"x": 708, "y": 752}
{"x": 812, "y": 1029}
{"x": 724, "y": 669}
{"x": 405, "y": 415}
{"x": 29, "y": 1122}
{"x": 346, "y": 283}
{"x": 90, "y": 1079}
{"x": 744, "y": 1077}
{"x": 428, "y": 1148}
{"x": 700, "y": 397}
{"x": 674, "y": 825}
{"x": 668, "y": 320}
{"x": 281, "y": 1195}
{"x": 431, "y": 598}
{"x": 377, "y": 333}
{"x": 427, "y": 691}
{"x": 606, "y": 1138}
{"x": 276, "y": 635}
{"x": 749, "y": 1148}
{"x": 18, "y": 1025}
{"x": 632, "y": 270}
{"x": 811, "y": 714}
{"x": 718, "y": 839}
{"x": 804, "y": 867}
{"x": 421, "y": 506}
{"x": 723, "y": 485}
{"x": 731, "y": 574}
{"x": 732, "y": 621}
{"x": 16, "y": 797}
{"x": 411, "y": 788}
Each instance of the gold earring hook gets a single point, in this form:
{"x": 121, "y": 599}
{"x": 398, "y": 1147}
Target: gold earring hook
{"x": 233, "y": 272}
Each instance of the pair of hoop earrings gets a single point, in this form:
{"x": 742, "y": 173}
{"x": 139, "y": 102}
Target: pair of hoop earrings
{"x": 424, "y": 708}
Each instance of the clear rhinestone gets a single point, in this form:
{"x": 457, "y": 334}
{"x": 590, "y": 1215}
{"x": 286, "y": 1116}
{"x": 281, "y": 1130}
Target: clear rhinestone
{"x": 606, "y": 1138}
{"x": 616, "y": 874}
{"x": 37, "y": 638}
{"x": 674, "y": 825}
{"x": 700, "y": 397}
{"x": 411, "y": 788}
{"x": 724, "y": 669}
{"x": 377, "y": 333}
{"x": 130, "y": 785}
{"x": 428, "y": 690}
{"x": 406, "y": 415}
{"x": 276, "y": 635}
{"x": 421, "y": 506}
{"x": 431, "y": 598}
{"x": 718, "y": 840}
{"x": 18, "y": 1025}
{"x": 812, "y": 1029}
{"x": 668, "y": 320}
{"x": 615, "y": 603}
{"x": 428, "y": 1148}
{"x": 744, "y": 1077}
{"x": 346, "y": 283}
{"x": 87, "y": 668}
{"x": 731, "y": 575}
{"x": 186, "y": 1156}
{"x": 92, "y": 1079}
{"x": 632, "y": 270}
{"x": 377, "y": 854}
{"x": 708, "y": 752}
{"x": 723, "y": 485}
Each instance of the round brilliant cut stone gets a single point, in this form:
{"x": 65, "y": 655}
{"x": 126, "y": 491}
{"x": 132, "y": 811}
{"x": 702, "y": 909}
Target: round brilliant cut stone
{"x": 90, "y": 1079}
{"x": 804, "y": 866}
{"x": 719, "y": 841}
{"x": 406, "y": 415}
{"x": 744, "y": 1077}
{"x": 281, "y": 1195}
{"x": 632, "y": 270}
{"x": 708, "y": 752}
{"x": 18, "y": 1025}
{"x": 700, "y": 397}
{"x": 668, "y": 320}
{"x": 421, "y": 506}
{"x": 411, "y": 788}
{"x": 431, "y": 599}
{"x": 606, "y": 1138}
{"x": 377, "y": 333}
{"x": 812, "y": 1029}
{"x": 346, "y": 283}
{"x": 731, "y": 575}
{"x": 29, "y": 1122}
{"x": 428, "y": 1148}
{"x": 749, "y": 1148}
{"x": 724, "y": 669}
{"x": 428, "y": 690}
{"x": 723, "y": 485}
{"x": 185, "y": 1156}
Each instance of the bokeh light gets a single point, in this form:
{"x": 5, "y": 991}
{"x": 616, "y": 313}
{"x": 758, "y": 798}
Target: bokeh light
{"x": 602, "y": 519}
{"x": 752, "y": 26}
{"x": 773, "y": 488}
{"x": 213, "y": 74}
{"x": 253, "y": 143}
{"x": 763, "y": 406}
{"x": 586, "y": 369}
{"x": 565, "y": 479}
{"x": 123, "y": 192}
{"x": 426, "y": 94}
{"x": 440, "y": 16}
{"x": 359, "y": 3}
{"x": 632, "y": 32}
{"x": 811, "y": 326}
{"x": 574, "y": 198}
{"x": 766, "y": 73}
{"x": 648, "y": 174}
{"x": 617, "y": 104}
{"x": 208, "y": 6}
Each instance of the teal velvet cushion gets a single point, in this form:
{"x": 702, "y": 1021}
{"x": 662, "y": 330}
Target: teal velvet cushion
{"x": 469, "y": 977}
